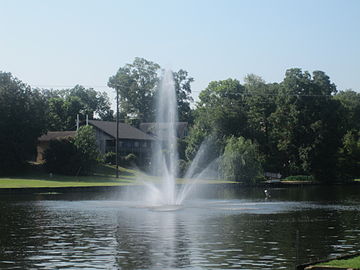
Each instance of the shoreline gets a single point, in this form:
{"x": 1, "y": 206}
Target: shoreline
{"x": 115, "y": 188}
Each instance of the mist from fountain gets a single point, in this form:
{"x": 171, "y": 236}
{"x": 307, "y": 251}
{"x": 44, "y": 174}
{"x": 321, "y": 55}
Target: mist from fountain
{"x": 164, "y": 162}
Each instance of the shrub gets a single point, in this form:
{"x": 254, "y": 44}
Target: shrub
{"x": 300, "y": 178}
{"x": 110, "y": 158}
{"x": 129, "y": 160}
{"x": 62, "y": 157}
{"x": 78, "y": 156}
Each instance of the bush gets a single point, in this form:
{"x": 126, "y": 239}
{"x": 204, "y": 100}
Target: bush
{"x": 129, "y": 160}
{"x": 78, "y": 156}
{"x": 110, "y": 158}
{"x": 300, "y": 178}
{"x": 124, "y": 161}
{"x": 62, "y": 157}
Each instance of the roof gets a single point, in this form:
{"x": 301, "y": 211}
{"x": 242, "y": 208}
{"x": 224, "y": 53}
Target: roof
{"x": 150, "y": 127}
{"x": 52, "y": 135}
{"x": 125, "y": 130}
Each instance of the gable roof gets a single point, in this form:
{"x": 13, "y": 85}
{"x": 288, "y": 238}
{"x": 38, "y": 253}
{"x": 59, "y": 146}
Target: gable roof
{"x": 52, "y": 135}
{"x": 125, "y": 130}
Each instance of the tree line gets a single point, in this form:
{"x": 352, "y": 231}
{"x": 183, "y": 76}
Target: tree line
{"x": 300, "y": 126}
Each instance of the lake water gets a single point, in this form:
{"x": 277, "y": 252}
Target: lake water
{"x": 223, "y": 229}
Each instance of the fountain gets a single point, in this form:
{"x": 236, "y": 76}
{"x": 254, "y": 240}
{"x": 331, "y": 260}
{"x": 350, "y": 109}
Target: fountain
{"x": 165, "y": 196}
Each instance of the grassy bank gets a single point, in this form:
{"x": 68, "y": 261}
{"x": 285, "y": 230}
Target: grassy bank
{"x": 345, "y": 263}
{"x": 105, "y": 175}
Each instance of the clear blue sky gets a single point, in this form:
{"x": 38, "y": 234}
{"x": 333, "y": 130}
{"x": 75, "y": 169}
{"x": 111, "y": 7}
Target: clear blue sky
{"x": 66, "y": 42}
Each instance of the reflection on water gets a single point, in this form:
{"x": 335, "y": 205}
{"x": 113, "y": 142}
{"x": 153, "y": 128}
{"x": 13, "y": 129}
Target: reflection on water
{"x": 234, "y": 231}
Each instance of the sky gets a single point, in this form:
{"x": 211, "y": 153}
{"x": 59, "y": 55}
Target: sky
{"x": 60, "y": 43}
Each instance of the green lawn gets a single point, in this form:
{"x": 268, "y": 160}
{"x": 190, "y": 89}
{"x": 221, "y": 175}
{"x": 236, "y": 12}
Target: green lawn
{"x": 346, "y": 263}
{"x": 104, "y": 176}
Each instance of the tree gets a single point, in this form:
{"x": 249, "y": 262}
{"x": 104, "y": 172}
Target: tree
{"x": 304, "y": 124}
{"x": 220, "y": 113}
{"x": 137, "y": 85}
{"x": 64, "y": 105}
{"x": 85, "y": 142}
{"x": 350, "y": 101}
{"x": 183, "y": 94}
{"x": 261, "y": 104}
{"x": 349, "y": 156}
{"x": 22, "y": 121}
{"x": 222, "y": 109}
{"x": 240, "y": 161}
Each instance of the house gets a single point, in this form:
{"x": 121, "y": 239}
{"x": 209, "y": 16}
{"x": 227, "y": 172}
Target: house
{"x": 131, "y": 139}
{"x": 153, "y": 128}
{"x": 44, "y": 140}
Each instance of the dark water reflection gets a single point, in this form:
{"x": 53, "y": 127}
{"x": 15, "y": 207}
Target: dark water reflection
{"x": 224, "y": 230}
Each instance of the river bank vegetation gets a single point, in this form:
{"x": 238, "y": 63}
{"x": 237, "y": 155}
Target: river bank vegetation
{"x": 351, "y": 263}
{"x": 302, "y": 125}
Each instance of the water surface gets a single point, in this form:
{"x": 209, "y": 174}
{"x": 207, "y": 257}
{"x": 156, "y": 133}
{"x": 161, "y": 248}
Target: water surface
{"x": 222, "y": 230}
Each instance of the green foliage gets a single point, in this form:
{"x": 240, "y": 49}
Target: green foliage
{"x": 129, "y": 160}
{"x": 349, "y": 156}
{"x": 350, "y": 263}
{"x": 222, "y": 109}
{"x": 110, "y": 158}
{"x": 77, "y": 156}
{"x": 183, "y": 95}
{"x": 137, "y": 84}
{"x": 125, "y": 161}
{"x": 304, "y": 120}
{"x": 22, "y": 121}
{"x": 240, "y": 161}
{"x": 298, "y": 123}
{"x": 64, "y": 105}
{"x": 350, "y": 101}
{"x": 300, "y": 178}
{"x": 261, "y": 103}
{"x": 182, "y": 167}
{"x": 62, "y": 157}
{"x": 85, "y": 142}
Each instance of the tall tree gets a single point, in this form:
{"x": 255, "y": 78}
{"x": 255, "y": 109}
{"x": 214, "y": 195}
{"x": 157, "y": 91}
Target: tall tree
{"x": 219, "y": 114}
{"x": 304, "y": 119}
{"x": 350, "y": 101}
{"x": 222, "y": 109}
{"x": 261, "y": 104}
{"x": 65, "y": 104}
{"x": 137, "y": 85}
{"x": 183, "y": 94}
{"x": 22, "y": 121}
{"x": 349, "y": 156}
